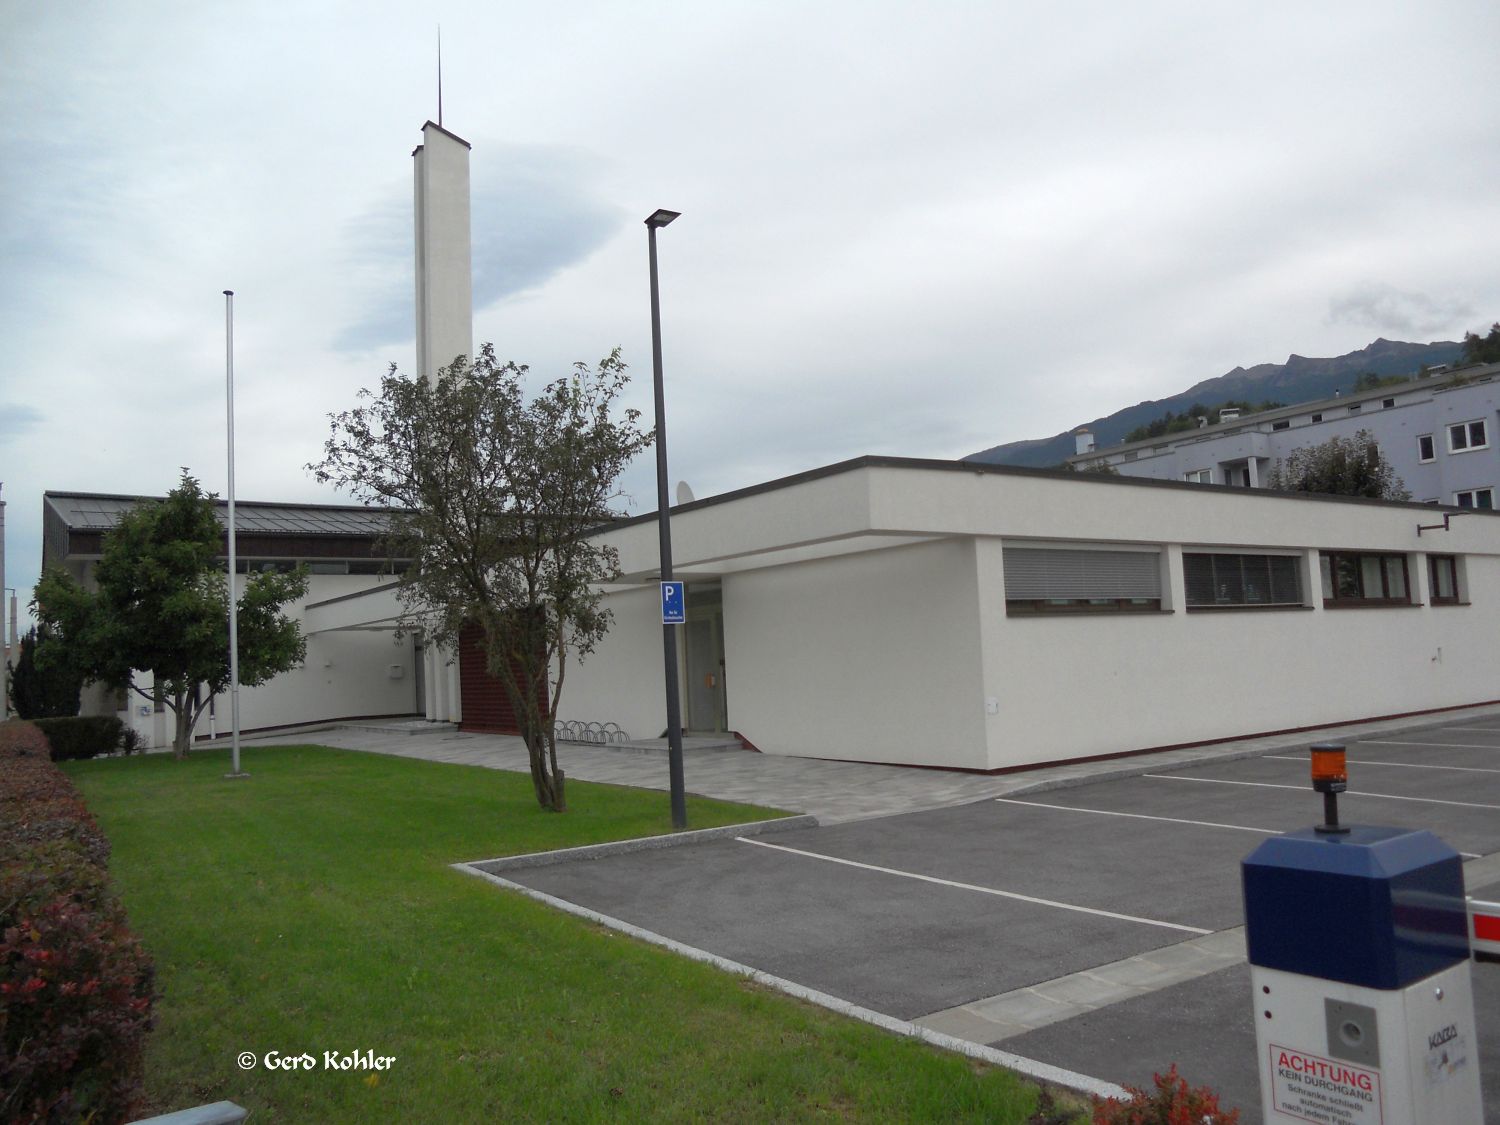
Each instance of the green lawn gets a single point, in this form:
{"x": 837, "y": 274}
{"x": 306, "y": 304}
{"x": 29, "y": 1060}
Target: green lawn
{"x": 311, "y": 909}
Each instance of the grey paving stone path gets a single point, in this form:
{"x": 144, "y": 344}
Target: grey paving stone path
{"x": 833, "y": 791}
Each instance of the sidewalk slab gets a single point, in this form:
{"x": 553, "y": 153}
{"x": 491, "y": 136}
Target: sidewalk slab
{"x": 831, "y": 790}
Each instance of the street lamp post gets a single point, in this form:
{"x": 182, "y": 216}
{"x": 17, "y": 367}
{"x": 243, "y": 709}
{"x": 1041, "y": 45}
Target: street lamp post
{"x": 668, "y": 632}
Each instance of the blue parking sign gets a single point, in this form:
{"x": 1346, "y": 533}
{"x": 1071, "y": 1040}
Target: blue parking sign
{"x": 673, "y": 604}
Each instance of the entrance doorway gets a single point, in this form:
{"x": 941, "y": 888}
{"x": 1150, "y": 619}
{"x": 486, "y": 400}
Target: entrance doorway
{"x": 703, "y": 659}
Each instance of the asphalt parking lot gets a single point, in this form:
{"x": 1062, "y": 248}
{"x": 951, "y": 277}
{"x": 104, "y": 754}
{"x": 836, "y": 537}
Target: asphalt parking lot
{"x": 1092, "y": 928}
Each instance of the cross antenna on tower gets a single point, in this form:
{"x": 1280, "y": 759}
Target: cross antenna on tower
{"x": 440, "y": 75}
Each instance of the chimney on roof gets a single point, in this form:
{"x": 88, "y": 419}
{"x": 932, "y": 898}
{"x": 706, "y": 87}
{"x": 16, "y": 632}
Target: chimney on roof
{"x": 1083, "y": 440}
{"x": 1202, "y": 420}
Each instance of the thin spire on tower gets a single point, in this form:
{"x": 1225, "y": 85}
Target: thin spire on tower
{"x": 440, "y": 75}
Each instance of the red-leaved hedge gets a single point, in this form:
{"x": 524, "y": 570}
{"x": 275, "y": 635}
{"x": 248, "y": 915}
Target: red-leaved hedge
{"x": 1172, "y": 1102}
{"x": 75, "y": 985}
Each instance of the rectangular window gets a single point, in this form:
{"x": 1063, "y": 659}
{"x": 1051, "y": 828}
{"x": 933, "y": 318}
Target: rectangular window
{"x": 1317, "y": 417}
{"x": 1351, "y": 579}
{"x": 1281, "y": 425}
{"x": 328, "y": 566}
{"x": 1200, "y": 476}
{"x": 1221, "y": 581}
{"x": 1443, "y": 572}
{"x": 1055, "y": 580}
{"x": 1475, "y": 498}
{"x": 1354, "y": 409}
{"x": 1425, "y": 449}
{"x": 1387, "y": 403}
{"x": 1466, "y": 436}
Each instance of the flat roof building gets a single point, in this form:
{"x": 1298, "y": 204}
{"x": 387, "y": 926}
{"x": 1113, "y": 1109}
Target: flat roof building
{"x": 986, "y": 617}
{"x": 347, "y": 674}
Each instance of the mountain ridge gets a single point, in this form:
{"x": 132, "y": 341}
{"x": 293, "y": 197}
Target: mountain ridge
{"x": 1299, "y": 379}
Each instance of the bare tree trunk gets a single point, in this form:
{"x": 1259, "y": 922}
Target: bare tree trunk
{"x": 549, "y": 733}
{"x": 546, "y": 778}
{"x": 183, "y": 725}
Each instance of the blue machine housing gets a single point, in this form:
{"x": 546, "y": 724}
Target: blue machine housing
{"x": 1377, "y": 907}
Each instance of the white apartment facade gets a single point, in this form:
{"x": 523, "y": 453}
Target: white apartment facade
{"x": 1438, "y": 434}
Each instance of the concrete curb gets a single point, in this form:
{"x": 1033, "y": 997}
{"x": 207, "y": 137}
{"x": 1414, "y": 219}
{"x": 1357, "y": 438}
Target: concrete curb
{"x": 641, "y": 844}
{"x": 1037, "y": 1071}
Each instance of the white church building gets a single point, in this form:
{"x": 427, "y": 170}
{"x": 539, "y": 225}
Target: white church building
{"x": 980, "y": 617}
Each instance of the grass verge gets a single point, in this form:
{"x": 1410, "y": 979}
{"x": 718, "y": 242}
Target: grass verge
{"x": 311, "y": 909}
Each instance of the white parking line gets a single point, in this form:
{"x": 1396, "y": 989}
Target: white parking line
{"x": 1434, "y": 745}
{"x": 980, "y": 890}
{"x": 1398, "y": 765}
{"x": 1477, "y": 730}
{"x": 1140, "y": 816}
{"x": 1042, "y": 1072}
{"x": 1175, "y": 820}
{"x": 1304, "y": 789}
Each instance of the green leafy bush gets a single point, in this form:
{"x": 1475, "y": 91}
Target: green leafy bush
{"x": 43, "y": 684}
{"x": 1171, "y": 1103}
{"x": 75, "y": 986}
{"x": 83, "y": 736}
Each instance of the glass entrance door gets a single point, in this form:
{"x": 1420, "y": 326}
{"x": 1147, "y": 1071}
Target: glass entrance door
{"x": 703, "y": 635}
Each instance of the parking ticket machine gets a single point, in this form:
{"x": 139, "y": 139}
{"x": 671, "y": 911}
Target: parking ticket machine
{"x": 1359, "y": 967}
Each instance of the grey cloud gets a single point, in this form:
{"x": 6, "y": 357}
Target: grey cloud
{"x": 17, "y": 418}
{"x": 532, "y": 213}
{"x": 1388, "y": 309}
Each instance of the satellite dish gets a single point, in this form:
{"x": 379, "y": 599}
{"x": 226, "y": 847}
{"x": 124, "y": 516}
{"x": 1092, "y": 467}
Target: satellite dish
{"x": 684, "y": 493}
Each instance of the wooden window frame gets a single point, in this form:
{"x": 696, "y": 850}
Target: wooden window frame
{"x": 1333, "y": 600}
{"x": 1434, "y": 563}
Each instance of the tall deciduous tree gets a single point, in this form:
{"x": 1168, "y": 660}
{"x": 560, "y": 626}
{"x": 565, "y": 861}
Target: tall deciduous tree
{"x": 1340, "y": 467}
{"x": 161, "y": 605}
{"x": 492, "y": 496}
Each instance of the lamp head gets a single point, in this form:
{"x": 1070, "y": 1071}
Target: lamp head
{"x": 1329, "y": 773}
{"x": 661, "y": 218}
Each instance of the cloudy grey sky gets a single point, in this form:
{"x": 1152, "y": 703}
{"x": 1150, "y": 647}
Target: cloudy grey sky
{"x": 908, "y": 228}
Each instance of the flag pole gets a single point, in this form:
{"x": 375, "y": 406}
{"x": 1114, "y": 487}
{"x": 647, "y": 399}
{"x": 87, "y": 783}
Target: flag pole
{"x": 234, "y": 623}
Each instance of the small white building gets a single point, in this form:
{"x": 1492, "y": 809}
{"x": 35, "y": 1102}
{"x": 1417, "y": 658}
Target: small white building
{"x": 985, "y": 617}
{"x": 351, "y": 673}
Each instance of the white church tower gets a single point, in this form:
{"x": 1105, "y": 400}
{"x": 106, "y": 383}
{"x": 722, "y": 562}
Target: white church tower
{"x": 445, "y": 325}
{"x": 445, "y": 288}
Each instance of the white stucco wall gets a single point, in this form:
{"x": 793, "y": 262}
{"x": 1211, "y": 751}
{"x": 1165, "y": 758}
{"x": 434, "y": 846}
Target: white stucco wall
{"x": 346, "y": 674}
{"x": 621, "y": 681}
{"x": 871, "y": 657}
{"x": 1086, "y": 684}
